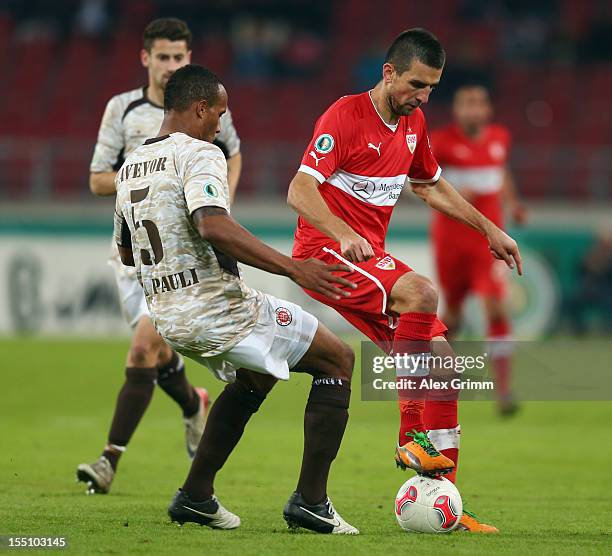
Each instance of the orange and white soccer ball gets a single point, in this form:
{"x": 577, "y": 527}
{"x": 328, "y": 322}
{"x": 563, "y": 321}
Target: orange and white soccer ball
{"x": 428, "y": 505}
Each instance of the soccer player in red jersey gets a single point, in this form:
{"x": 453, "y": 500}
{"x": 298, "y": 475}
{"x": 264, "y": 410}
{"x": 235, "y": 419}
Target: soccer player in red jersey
{"x": 474, "y": 155}
{"x": 363, "y": 150}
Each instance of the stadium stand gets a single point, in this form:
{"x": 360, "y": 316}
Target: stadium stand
{"x": 58, "y": 78}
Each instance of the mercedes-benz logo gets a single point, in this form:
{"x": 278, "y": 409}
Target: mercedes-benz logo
{"x": 365, "y": 189}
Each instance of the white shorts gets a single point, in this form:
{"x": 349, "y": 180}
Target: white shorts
{"x": 279, "y": 340}
{"x": 131, "y": 297}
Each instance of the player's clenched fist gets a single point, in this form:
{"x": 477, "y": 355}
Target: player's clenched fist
{"x": 503, "y": 247}
{"x": 317, "y": 276}
{"x": 355, "y": 248}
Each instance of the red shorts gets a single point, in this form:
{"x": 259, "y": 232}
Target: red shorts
{"x": 463, "y": 260}
{"x": 366, "y": 308}
{"x": 469, "y": 269}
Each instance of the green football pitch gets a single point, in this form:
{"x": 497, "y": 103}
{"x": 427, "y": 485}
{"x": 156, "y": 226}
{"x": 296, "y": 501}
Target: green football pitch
{"x": 543, "y": 477}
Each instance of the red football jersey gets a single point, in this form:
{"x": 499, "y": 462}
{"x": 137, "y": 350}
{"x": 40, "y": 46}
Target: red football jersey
{"x": 477, "y": 166}
{"x": 362, "y": 164}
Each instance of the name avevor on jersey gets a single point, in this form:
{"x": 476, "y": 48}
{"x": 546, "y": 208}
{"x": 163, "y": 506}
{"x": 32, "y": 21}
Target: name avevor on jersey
{"x": 141, "y": 169}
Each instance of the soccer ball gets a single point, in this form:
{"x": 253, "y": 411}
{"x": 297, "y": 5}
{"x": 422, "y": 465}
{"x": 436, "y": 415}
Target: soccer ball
{"x": 428, "y": 505}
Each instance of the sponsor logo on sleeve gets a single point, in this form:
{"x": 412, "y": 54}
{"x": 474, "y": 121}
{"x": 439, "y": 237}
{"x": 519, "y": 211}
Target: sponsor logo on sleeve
{"x": 324, "y": 143}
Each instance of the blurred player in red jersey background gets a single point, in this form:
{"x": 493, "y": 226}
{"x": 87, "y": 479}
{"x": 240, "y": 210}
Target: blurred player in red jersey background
{"x": 473, "y": 153}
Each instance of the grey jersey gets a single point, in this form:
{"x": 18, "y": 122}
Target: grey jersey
{"x": 129, "y": 119}
{"x": 196, "y": 297}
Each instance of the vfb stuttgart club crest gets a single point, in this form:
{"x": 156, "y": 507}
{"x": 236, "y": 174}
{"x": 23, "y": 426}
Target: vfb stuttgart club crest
{"x": 411, "y": 140}
{"x": 283, "y": 316}
{"x": 386, "y": 264}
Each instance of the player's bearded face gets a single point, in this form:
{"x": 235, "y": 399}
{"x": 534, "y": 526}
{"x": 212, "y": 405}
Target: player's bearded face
{"x": 399, "y": 108}
{"x": 408, "y": 90}
{"x": 164, "y": 58}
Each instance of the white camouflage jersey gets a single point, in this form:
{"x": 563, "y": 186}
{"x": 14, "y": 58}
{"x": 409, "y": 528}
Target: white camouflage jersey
{"x": 129, "y": 119}
{"x": 196, "y": 297}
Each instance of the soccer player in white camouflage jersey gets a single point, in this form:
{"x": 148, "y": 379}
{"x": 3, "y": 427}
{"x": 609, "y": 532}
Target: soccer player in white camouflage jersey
{"x": 128, "y": 120}
{"x": 172, "y": 223}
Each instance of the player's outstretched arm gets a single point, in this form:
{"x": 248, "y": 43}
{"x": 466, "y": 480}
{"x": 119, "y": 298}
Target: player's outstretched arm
{"x": 102, "y": 183}
{"x": 305, "y": 199}
{"x": 219, "y": 229}
{"x": 443, "y": 197}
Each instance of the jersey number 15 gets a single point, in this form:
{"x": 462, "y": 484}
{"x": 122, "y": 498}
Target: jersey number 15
{"x": 137, "y": 196}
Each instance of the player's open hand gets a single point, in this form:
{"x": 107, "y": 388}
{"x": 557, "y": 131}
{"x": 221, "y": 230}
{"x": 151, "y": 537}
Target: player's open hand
{"x": 355, "y": 248}
{"x": 503, "y": 247}
{"x": 317, "y": 276}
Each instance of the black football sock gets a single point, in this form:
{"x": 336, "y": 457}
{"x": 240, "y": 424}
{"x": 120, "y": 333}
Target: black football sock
{"x": 112, "y": 453}
{"x": 325, "y": 419}
{"x": 224, "y": 427}
{"x": 132, "y": 402}
{"x": 173, "y": 380}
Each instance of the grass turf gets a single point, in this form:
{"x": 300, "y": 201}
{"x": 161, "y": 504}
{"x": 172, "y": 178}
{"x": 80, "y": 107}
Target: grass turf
{"x": 542, "y": 477}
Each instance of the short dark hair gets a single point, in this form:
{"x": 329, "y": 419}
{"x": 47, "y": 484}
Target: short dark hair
{"x": 169, "y": 28}
{"x": 415, "y": 43}
{"x": 472, "y": 84}
{"x": 190, "y": 84}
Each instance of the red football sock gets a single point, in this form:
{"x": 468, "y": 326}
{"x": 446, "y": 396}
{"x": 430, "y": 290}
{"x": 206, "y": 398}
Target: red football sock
{"x": 415, "y": 326}
{"x": 411, "y": 419}
{"x": 412, "y": 336}
{"x": 452, "y": 454}
{"x": 501, "y": 367}
{"x": 501, "y": 350}
{"x": 440, "y": 420}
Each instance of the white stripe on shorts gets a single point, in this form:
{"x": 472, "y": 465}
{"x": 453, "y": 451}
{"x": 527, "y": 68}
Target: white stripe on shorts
{"x": 367, "y": 275}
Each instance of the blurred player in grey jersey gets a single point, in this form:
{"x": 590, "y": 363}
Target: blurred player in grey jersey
{"x": 172, "y": 223}
{"x": 128, "y": 120}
